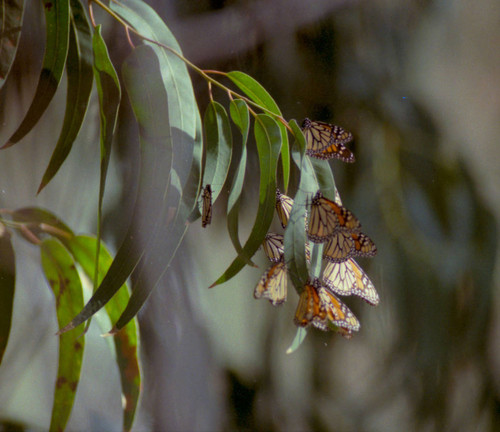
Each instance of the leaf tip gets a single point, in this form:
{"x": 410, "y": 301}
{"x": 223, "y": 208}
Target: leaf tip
{"x": 112, "y": 332}
{"x": 69, "y": 327}
{"x": 42, "y": 185}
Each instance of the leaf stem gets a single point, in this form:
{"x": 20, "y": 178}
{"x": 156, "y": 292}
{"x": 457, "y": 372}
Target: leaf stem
{"x": 201, "y": 72}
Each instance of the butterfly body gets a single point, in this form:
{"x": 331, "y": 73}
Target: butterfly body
{"x": 206, "y": 215}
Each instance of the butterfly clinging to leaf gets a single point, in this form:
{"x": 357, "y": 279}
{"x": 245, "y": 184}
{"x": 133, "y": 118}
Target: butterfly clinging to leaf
{"x": 273, "y": 284}
{"x": 206, "y": 215}
{"x": 343, "y": 245}
{"x": 326, "y": 217}
{"x": 321, "y": 308}
{"x": 326, "y": 141}
{"x": 348, "y": 278}
{"x": 284, "y": 206}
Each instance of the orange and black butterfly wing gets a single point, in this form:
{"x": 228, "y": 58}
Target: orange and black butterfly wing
{"x": 322, "y": 221}
{"x": 326, "y": 141}
{"x": 273, "y": 284}
{"x": 308, "y": 309}
{"x": 284, "y": 206}
{"x": 340, "y": 278}
{"x": 363, "y": 245}
{"x": 322, "y": 309}
{"x": 337, "y": 151}
{"x": 346, "y": 219}
{"x": 339, "y": 247}
{"x": 273, "y": 247}
{"x": 363, "y": 287}
{"x": 337, "y": 312}
{"x": 318, "y": 136}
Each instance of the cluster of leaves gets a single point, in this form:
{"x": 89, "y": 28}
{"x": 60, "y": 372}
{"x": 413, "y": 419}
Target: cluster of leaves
{"x": 61, "y": 254}
{"x": 172, "y": 172}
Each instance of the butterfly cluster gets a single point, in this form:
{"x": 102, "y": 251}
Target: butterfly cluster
{"x": 332, "y": 224}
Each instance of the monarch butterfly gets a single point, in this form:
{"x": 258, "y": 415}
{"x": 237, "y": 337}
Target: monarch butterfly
{"x": 284, "y": 206}
{"x": 326, "y": 141}
{"x": 343, "y": 245}
{"x": 273, "y": 246}
{"x": 347, "y": 278}
{"x": 326, "y": 217}
{"x": 319, "y": 307}
{"x": 206, "y": 216}
{"x": 273, "y": 284}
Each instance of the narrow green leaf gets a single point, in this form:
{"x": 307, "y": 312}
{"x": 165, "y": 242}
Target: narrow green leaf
{"x": 80, "y": 78}
{"x": 241, "y": 118}
{"x": 297, "y": 340}
{"x": 189, "y": 210}
{"x": 108, "y": 89}
{"x": 56, "y": 50}
{"x": 182, "y": 107}
{"x": 268, "y": 139}
{"x": 219, "y": 147}
{"x": 184, "y": 117}
{"x": 157, "y": 259}
{"x": 324, "y": 177}
{"x": 154, "y": 263}
{"x": 39, "y": 220}
{"x": 109, "y": 92}
{"x": 83, "y": 249}
{"x": 10, "y": 30}
{"x": 295, "y": 234}
{"x": 63, "y": 278}
{"x": 257, "y": 93}
{"x": 150, "y": 104}
{"x": 7, "y": 287}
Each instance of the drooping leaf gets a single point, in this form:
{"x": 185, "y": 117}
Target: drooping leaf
{"x": 297, "y": 340}
{"x": 149, "y": 102}
{"x": 108, "y": 89}
{"x": 80, "y": 78}
{"x": 7, "y": 287}
{"x": 268, "y": 139}
{"x": 182, "y": 107}
{"x": 324, "y": 177}
{"x": 109, "y": 92}
{"x": 257, "y": 93}
{"x": 39, "y": 220}
{"x": 185, "y": 126}
{"x": 56, "y": 50}
{"x": 62, "y": 276}
{"x": 219, "y": 147}
{"x": 10, "y": 30}
{"x": 192, "y": 188}
{"x": 241, "y": 118}
{"x": 83, "y": 249}
{"x": 295, "y": 234}
{"x": 156, "y": 260}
